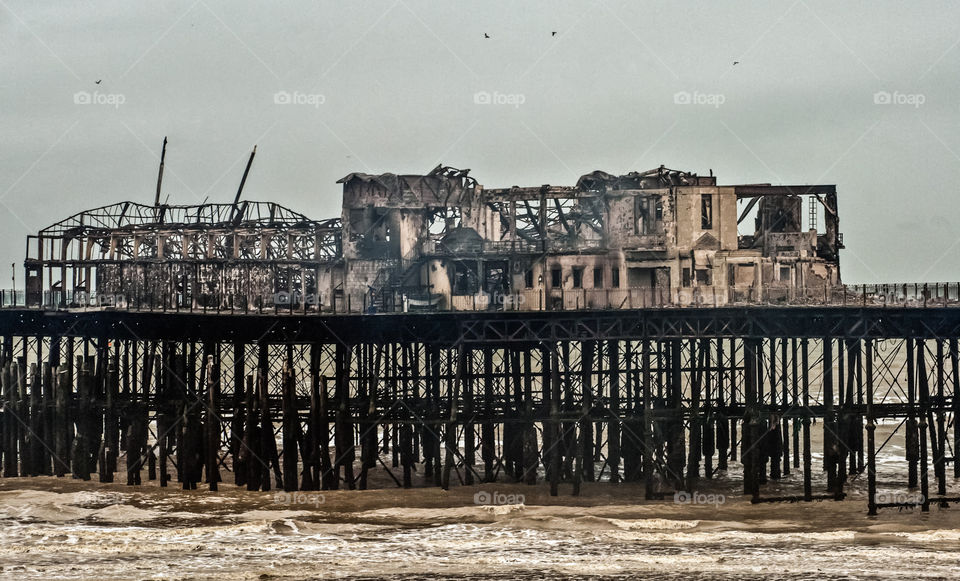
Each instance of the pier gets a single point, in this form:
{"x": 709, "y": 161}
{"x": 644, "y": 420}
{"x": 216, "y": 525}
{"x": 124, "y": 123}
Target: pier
{"x": 621, "y": 330}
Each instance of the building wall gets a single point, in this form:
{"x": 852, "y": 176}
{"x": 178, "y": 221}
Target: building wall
{"x": 651, "y": 241}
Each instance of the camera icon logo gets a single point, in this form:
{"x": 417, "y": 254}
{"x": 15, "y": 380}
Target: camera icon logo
{"x": 482, "y": 497}
{"x": 281, "y": 98}
{"x": 682, "y": 98}
{"x": 682, "y": 497}
{"x": 882, "y": 98}
{"x": 482, "y": 98}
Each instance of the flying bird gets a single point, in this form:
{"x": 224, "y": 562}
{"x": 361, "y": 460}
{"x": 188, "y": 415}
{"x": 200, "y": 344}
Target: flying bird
{"x": 554, "y": 33}
{"x": 735, "y": 63}
{"x": 485, "y": 35}
{"x": 98, "y": 81}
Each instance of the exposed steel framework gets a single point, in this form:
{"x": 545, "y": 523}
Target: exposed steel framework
{"x": 215, "y": 256}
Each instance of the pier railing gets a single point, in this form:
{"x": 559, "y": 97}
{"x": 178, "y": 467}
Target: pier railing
{"x": 914, "y": 295}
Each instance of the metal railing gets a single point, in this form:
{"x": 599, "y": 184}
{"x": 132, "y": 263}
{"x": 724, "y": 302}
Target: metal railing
{"x": 918, "y": 295}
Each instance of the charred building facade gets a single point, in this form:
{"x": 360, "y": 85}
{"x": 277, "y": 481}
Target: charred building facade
{"x": 661, "y": 237}
{"x": 441, "y": 241}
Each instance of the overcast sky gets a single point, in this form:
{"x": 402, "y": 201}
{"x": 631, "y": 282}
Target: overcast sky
{"x": 394, "y": 86}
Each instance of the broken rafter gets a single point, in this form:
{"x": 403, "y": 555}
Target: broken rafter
{"x": 243, "y": 181}
{"x": 562, "y": 218}
{"x": 163, "y": 156}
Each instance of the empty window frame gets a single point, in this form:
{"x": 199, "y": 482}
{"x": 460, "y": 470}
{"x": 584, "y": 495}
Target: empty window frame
{"x": 706, "y": 211}
{"x": 578, "y": 277}
{"x": 640, "y": 212}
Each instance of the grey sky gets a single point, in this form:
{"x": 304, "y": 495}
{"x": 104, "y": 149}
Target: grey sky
{"x": 398, "y": 83}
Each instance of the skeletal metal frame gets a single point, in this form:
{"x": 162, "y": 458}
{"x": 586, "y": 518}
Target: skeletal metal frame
{"x": 208, "y": 256}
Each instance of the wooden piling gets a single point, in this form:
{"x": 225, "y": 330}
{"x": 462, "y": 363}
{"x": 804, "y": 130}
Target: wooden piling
{"x": 924, "y": 403}
{"x": 238, "y": 421}
{"x": 647, "y": 443}
{"x": 807, "y": 453}
{"x": 912, "y": 444}
{"x": 613, "y": 429}
{"x": 212, "y": 421}
{"x": 290, "y": 422}
{"x": 871, "y": 432}
{"x": 830, "y": 453}
{"x": 552, "y": 385}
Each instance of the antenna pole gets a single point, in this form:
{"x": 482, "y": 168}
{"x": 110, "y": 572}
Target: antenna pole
{"x": 163, "y": 155}
{"x": 243, "y": 180}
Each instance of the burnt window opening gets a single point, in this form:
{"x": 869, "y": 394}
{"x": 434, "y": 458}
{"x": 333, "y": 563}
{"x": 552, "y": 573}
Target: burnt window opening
{"x": 640, "y": 212}
{"x": 528, "y": 278}
{"x": 555, "y": 277}
{"x": 685, "y": 278}
{"x": 648, "y": 211}
{"x": 615, "y": 277}
{"x": 356, "y": 220}
{"x": 704, "y": 276}
{"x": 465, "y": 280}
{"x": 578, "y": 277}
{"x": 386, "y": 235}
{"x": 785, "y": 273}
{"x": 598, "y": 277}
{"x": 706, "y": 211}
{"x": 495, "y": 278}
{"x": 442, "y": 221}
